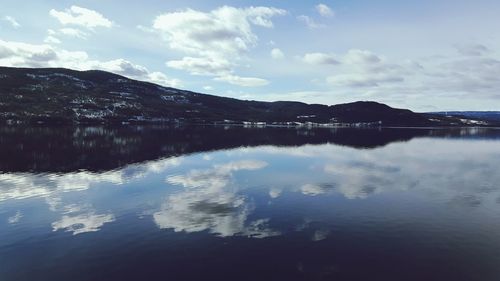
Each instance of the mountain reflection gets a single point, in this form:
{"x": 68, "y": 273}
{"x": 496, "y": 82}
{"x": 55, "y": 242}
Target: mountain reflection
{"x": 317, "y": 201}
{"x": 213, "y": 191}
{"x": 97, "y": 149}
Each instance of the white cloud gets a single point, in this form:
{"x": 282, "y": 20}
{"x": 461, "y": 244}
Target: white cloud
{"x": 359, "y": 69}
{"x": 363, "y": 79}
{"x": 324, "y": 10}
{"x": 320, "y": 58}
{"x": 66, "y": 31}
{"x": 202, "y": 65}
{"x": 31, "y": 55}
{"x": 216, "y": 37}
{"x": 22, "y": 54}
{"x": 12, "y": 21}
{"x": 162, "y": 79}
{"x": 309, "y": 22}
{"x": 356, "y": 56}
{"x": 464, "y": 80}
{"x": 243, "y": 81}
{"x": 277, "y": 54}
{"x": 467, "y": 75}
{"x": 78, "y": 17}
{"x": 125, "y": 67}
{"x": 73, "y": 32}
{"x": 51, "y": 40}
{"x": 470, "y": 74}
{"x": 219, "y": 33}
{"x": 83, "y": 17}
{"x": 219, "y": 68}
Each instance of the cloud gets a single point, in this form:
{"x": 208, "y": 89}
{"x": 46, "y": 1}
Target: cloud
{"x": 220, "y": 68}
{"x": 471, "y": 75}
{"x": 69, "y": 32}
{"x": 460, "y": 80}
{"x": 51, "y": 40}
{"x": 79, "y": 17}
{"x": 124, "y": 67}
{"x": 243, "y": 81}
{"x": 12, "y": 21}
{"x": 83, "y": 17}
{"x": 324, "y": 10}
{"x": 309, "y": 22}
{"x": 162, "y": 79}
{"x": 72, "y": 32}
{"x": 363, "y": 79}
{"x": 361, "y": 69}
{"x": 356, "y": 56}
{"x": 467, "y": 75}
{"x": 202, "y": 65}
{"x": 277, "y": 54}
{"x": 472, "y": 49}
{"x": 216, "y": 37}
{"x": 320, "y": 58}
{"x": 19, "y": 54}
{"x": 216, "y": 34}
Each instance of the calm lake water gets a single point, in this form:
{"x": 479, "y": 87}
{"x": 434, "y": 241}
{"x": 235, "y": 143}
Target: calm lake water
{"x": 205, "y": 203}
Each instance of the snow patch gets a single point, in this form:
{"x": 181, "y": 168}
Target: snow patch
{"x": 473, "y": 122}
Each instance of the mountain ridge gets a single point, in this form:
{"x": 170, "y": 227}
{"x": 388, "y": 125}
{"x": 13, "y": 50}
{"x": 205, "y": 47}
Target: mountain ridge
{"x": 60, "y": 95}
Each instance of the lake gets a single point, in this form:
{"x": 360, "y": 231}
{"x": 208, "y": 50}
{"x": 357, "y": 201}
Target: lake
{"x": 233, "y": 203}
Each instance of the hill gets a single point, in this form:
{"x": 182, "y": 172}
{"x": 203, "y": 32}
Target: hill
{"x": 58, "y": 95}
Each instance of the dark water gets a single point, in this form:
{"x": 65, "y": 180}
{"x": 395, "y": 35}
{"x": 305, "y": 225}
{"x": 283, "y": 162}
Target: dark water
{"x": 156, "y": 203}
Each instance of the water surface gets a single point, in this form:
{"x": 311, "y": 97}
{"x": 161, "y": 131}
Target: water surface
{"x": 205, "y": 203}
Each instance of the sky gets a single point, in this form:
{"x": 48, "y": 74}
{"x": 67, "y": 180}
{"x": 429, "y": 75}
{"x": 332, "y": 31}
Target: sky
{"x": 426, "y": 55}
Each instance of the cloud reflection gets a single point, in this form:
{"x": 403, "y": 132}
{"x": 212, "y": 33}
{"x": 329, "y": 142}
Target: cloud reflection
{"x": 210, "y": 202}
{"x": 88, "y": 222}
{"x": 27, "y": 185}
{"x": 15, "y": 218}
{"x": 76, "y": 218}
{"x": 457, "y": 170}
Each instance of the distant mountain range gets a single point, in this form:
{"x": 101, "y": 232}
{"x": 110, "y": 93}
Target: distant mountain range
{"x": 493, "y": 116}
{"x": 58, "y": 95}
